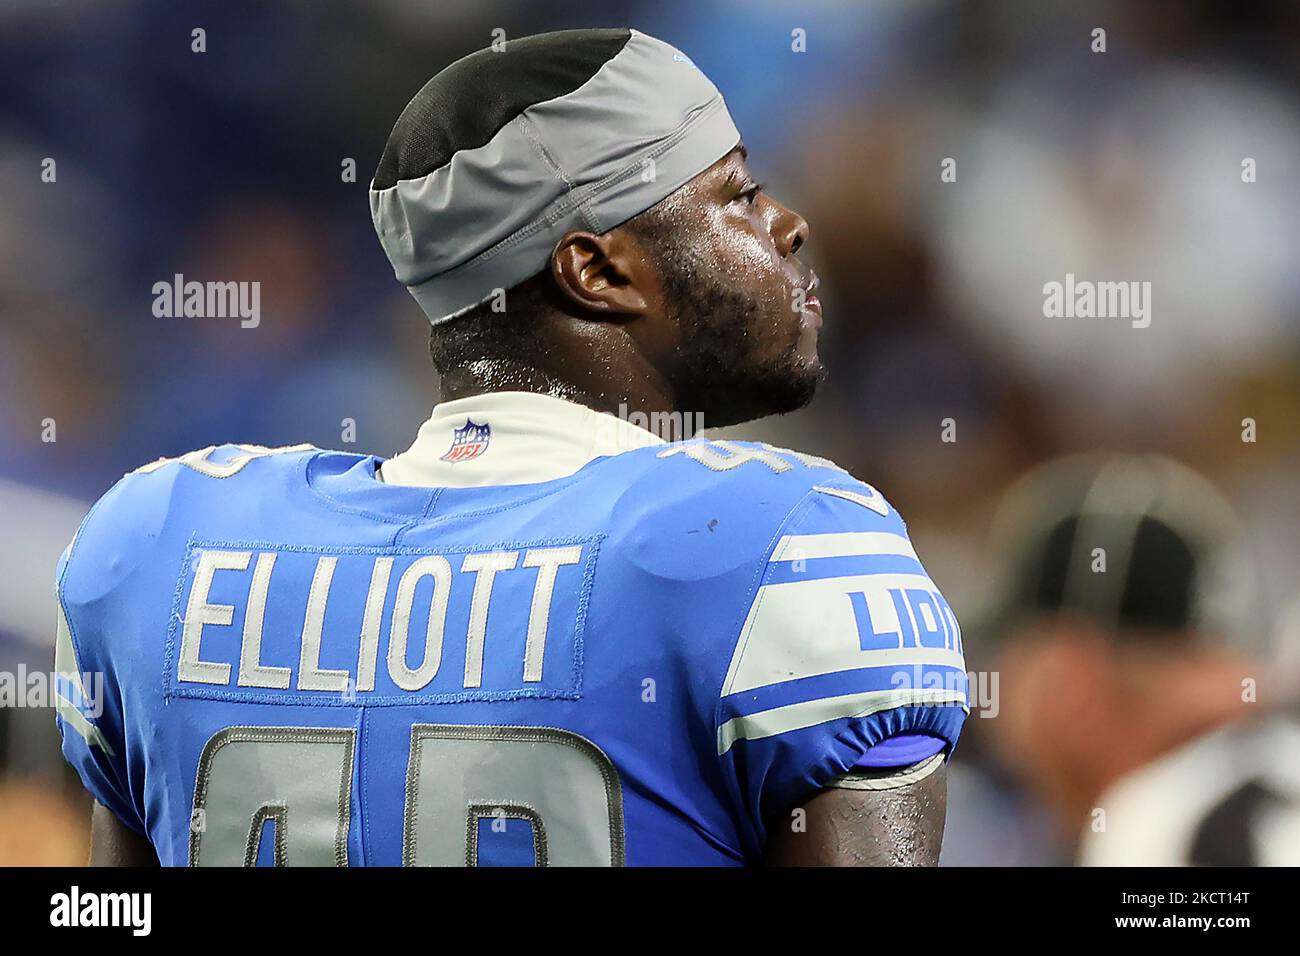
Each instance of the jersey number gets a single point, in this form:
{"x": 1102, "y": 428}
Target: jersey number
{"x": 298, "y": 782}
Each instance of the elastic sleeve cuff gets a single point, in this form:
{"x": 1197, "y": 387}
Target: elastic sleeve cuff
{"x": 901, "y": 750}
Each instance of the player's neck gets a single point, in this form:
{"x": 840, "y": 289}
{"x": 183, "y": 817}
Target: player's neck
{"x": 622, "y": 399}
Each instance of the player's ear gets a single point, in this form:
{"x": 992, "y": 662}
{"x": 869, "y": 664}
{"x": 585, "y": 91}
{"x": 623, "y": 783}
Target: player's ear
{"x": 609, "y": 273}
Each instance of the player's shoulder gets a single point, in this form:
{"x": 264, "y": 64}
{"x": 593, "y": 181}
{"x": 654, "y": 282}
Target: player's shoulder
{"x": 225, "y": 461}
{"x": 162, "y": 500}
{"x": 766, "y": 484}
{"x": 704, "y": 509}
{"x": 197, "y": 480}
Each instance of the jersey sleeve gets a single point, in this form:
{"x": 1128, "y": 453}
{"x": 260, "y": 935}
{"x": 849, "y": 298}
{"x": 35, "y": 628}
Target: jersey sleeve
{"x": 847, "y": 644}
{"x": 88, "y": 707}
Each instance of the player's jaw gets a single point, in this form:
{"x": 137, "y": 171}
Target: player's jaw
{"x": 745, "y": 351}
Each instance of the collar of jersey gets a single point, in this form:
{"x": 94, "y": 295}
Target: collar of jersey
{"x": 534, "y": 438}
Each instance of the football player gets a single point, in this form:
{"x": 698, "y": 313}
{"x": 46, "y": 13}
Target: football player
{"x": 542, "y": 635}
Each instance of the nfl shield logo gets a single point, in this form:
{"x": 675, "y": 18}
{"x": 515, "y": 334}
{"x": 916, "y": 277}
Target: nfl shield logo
{"x": 468, "y": 442}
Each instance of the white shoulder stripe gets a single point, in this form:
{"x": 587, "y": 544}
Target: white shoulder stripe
{"x": 841, "y": 601}
{"x": 875, "y": 500}
{"x": 841, "y": 544}
{"x": 780, "y": 720}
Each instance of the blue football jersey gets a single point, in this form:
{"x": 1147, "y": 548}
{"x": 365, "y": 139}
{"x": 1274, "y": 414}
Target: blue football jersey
{"x": 270, "y": 656}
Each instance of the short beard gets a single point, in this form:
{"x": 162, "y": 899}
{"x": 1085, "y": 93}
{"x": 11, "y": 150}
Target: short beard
{"x": 719, "y": 375}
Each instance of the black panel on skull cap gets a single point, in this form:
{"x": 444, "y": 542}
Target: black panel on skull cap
{"x": 1149, "y": 585}
{"x": 466, "y": 104}
{"x": 1142, "y": 545}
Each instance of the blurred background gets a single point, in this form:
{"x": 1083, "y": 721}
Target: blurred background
{"x": 948, "y": 384}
